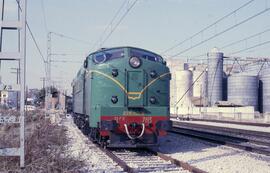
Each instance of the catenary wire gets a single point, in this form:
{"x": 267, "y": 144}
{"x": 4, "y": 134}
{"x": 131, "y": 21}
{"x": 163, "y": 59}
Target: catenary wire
{"x": 32, "y": 35}
{"x": 207, "y": 27}
{"x": 110, "y": 23}
{"x": 117, "y": 24}
{"x": 251, "y": 47}
{"x": 244, "y": 39}
{"x": 234, "y": 42}
{"x": 44, "y": 15}
{"x": 71, "y": 38}
{"x": 222, "y": 32}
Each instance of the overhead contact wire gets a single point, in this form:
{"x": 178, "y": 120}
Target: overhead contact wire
{"x": 207, "y": 27}
{"x": 110, "y": 23}
{"x": 222, "y": 32}
{"x": 121, "y": 19}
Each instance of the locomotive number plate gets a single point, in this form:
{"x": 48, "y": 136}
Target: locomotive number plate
{"x": 131, "y": 113}
{"x": 118, "y": 119}
{"x": 147, "y": 120}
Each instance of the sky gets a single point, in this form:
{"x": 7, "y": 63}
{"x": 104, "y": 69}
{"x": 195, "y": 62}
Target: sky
{"x": 155, "y": 25}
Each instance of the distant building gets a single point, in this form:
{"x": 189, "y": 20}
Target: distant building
{"x": 4, "y": 97}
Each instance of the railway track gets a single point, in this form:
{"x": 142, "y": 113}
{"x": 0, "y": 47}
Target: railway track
{"x": 147, "y": 160}
{"x": 142, "y": 160}
{"x": 253, "y": 141}
{"x": 130, "y": 160}
{"x": 258, "y": 124}
{"x": 226, "y": 130}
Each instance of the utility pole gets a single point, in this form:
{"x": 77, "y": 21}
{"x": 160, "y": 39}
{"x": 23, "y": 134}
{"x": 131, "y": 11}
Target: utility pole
{"x": 0, "y": 67}
{"x": 43, "y": 79}
{"x": 48, "y": 77}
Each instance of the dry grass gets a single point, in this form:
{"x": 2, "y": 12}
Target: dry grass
{"x": 45, "y": 146}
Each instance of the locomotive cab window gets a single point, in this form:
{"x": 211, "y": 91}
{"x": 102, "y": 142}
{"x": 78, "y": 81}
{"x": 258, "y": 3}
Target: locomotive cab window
{"x": 145, "y": 55}
{"x": 107, "y": 55}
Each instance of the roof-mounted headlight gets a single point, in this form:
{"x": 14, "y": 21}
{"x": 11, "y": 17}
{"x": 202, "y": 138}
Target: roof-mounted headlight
{"x": 135, "y": 62}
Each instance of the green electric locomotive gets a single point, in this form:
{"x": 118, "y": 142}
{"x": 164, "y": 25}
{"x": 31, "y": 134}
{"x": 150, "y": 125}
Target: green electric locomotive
{"x": 121, "y": 97}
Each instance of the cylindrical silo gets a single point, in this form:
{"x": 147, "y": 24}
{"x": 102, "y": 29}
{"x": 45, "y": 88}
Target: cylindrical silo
{"x": 243, "y": 90}
{"x": 200, "y": 84}
{"x": 172, "y": 93}
{"x": 183, "y": 81}
{"x": 265, "y": 79}
{"x": 215, "y": 76}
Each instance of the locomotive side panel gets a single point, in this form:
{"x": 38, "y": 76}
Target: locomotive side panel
{"x": 87, "y": 92}
{"x": 78, "y": 88}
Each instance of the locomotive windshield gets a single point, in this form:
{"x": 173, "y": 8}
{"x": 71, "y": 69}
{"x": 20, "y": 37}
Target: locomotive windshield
{"x": 115, "y": 53}
{"x": 107, "y": 55}
{"x": 146, "y": 55}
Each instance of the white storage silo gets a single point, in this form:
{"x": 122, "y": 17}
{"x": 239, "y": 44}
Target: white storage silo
{"x": 183, "y": 91}
{"x": 265, "y": 79}
{"x": 215, "y": 76}
{"x": 243, "y": 90}
{"x": 175, "y": 65}
{"x": 200, "y": 86}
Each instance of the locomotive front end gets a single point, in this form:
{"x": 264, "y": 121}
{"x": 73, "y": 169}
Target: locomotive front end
{"x": 129, "y": 98}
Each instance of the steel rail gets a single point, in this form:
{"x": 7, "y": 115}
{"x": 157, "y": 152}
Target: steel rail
{"x": 174, "y": 163}
{"x": 258, "y": 134}
{"x": 233, "y": 122}
{"x": 177, "y": 162}
{"x": 231, "y": 141}
{"x": 124, "y": 165}
{"x": 120, "y": 162}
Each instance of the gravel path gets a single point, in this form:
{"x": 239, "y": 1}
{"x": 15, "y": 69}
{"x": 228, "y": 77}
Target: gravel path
{"x": 79, "y": 147}
{"x": 213, "y": 158}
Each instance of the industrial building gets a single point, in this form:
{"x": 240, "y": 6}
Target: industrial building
{"x": 219, "y": 88}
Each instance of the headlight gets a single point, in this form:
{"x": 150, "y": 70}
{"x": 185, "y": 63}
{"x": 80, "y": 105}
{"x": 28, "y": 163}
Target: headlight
{"x": 114, "y": 99}
{"x": 135, "y": 62}
{"x": 153, "y": 74}
{"x": 153, "y": 100}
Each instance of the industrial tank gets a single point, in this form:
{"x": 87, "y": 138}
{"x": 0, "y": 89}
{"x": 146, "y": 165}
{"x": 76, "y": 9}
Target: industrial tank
{"x": 265, "y": 79}
{"x": 174, "y": 65}
{"x": 183, "y": 83}
{"x": 172, "y": 92}
{"x": 200, "y": 86}
{"x": 243, "y": 90}
{"x": 215, "y": 76}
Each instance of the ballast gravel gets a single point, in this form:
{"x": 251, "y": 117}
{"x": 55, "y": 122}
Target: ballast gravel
{"x": 81, "y": 148}
{"x": 213, "y": 158}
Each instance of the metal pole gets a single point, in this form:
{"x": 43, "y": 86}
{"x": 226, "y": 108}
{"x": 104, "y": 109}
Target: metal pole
{"x": 48, "y": 76}
{"x": 1, "y": 38}
{"x": 43, "y": 79}
{"x": 20, "y": 56}
{"x": 22, "y": 67}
